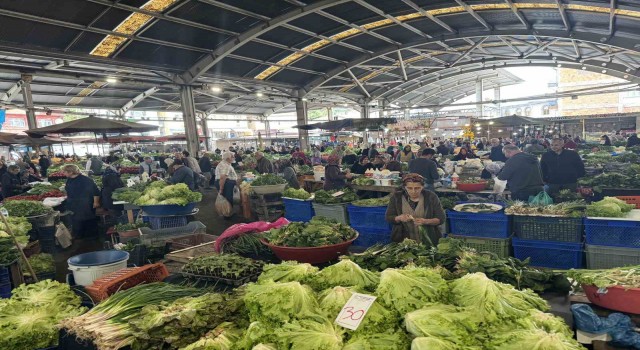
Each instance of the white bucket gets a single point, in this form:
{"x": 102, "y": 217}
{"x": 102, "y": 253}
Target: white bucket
{"x": 84, "y": 274}
{"x": 318, "y": 175}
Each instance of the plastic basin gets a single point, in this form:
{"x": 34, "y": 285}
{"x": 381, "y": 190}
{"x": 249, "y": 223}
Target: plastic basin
{"x": 169, "y": 209}
{"x": 269, "y": 189}
{"x": 615, "y": 298}
{"x": 311, "y": 255}
{"x": 88, "y": 267}
{"x": 472, "y": 187}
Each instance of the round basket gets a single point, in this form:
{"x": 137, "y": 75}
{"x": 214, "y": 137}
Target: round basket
{"x": 472, "y": 187}
{"x": 269, "y": 189}
{"x": 311, "y": 255}
{"x": 169, "y": 209}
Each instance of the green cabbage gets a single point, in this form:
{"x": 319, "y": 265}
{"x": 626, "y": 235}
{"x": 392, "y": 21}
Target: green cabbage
{"x": 179, "y": 194}
{"x": 609, "y": 207}
{"x": 277, "y": 303}
{"x": 409, "y": 289}
{"x": 533, "y": 340}
{"x": 257, "y": 333}
{"x": 491, "y": 301}
{"x": 311, "y": 335}
{"x": 346, "y": 273}
{"x": 378, "y": 341}
{"x": 222, "y": 337}
{"x": 287, "y": 271}
{"x": 546, "y": 322}
{"x": 425, "y": 343}
{"x": 444, "y": 322}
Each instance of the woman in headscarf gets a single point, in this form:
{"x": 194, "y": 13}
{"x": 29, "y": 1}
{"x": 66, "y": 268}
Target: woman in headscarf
{"x": 406, "y": 154}
{"x": 415, "y": 213}
{"x": 110, "y": 182}
{"x": 464, "y": 154}
{"x": 289, "y": 174}
{"x": 333, "y": 177}
{"x": 362, "y": 166}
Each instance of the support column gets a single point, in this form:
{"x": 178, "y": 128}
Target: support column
{"x": 329, "y": 113}
{"x": 479, "y": 90}
{"x": 406, "y": 113}
{"x": 28, "y": 102}
{"x": 302, "y": 118}
{"x": 189, "y": 118}
{"x": 496, "y": 97}
{"x": 365, "y": 111}
{"x": 205, "y": 132}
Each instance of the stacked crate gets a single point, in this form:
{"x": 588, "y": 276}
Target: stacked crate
{"x": 552, "y": 242}
{"x": 485, "y": 232}
{"x": 371, "y": 224}
{"x": 298, "y": 209}
{"x": 612, "y": 243}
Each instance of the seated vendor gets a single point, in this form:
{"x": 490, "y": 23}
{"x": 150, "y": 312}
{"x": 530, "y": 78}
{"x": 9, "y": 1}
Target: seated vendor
{"x": 362, "y": 166}
{"x": 415, "y": 213}
{"x": 12, "y": 183}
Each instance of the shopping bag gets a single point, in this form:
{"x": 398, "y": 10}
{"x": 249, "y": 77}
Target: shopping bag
{"x": 223, "y": 207}
{"x": 499, "y": 185}
{"x": 63, "y": 236}
{"x": 236, "y": 195}
{"x": 541, "y": 199}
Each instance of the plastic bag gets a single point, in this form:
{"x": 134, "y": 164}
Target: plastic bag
{"x": 256, "y": 226}
{"x": 499, "y": 185}
{"x": 541, "y": 199}
{"x": 236, "y": 195}
{"x": 63, "y": 236}
{"x": 618, "y": 326}
{"x": 223, "y": 207}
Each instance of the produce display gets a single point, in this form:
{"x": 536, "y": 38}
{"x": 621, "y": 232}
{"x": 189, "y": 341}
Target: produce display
{"x": 363, "y": 181}
{"x": 159, "y": 193}
{"x": 448, "y": 202}
{"x": 612, "y": 180}
{"x": 29, "y": 319}
{"x": 473, "y": 180}
{"x": 129, "y": 169}
{"x": 318, "y": 232}
{"x": 565, "y": 209}
{"x": 25, "y": 208}
{"x": 223, "y": 266}
{"x": 627, "y": 277}
{"x": 477, "y": 208}
{"x": 268, "y": 180}
{"x": 373, "y": 202}
{"x": 328, "y": 197}
{"x": 41, "y": 263}
{"x": 609, "y": 207}
{"x": 40, "y": 188}
{"x": 37, "y": 197}
{"x": 247, "y": 245}
{"x": 297, "y": 194}
{"x": 131, "y": 226}
{"x": 20, "y": 228}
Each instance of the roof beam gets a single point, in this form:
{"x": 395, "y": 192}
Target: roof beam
{"x": 208, "y": 61}
{"x": 134, "y": 101}
{"x": 277, "y": 108}
{"x": 414, "y": 6}
{"x": 393, "y": 18}
{"x": 355, "y": 26}
{"x": 466, "y": 53}
{"x": 563, "y": 15}
{"x": 474, "y": 14}
{"x": 165, "y": 101}
{"x": 12, "y": 92}
{"x": 235, "y": 9}
{"x": 518, "y": 52}
{"x": 518, "y": 14}
{"x": 293, "y": 49}
{"x": 576, "y": 48}
{"x": 324, "y": 37}
{"x": 355, "y": 80}
{"x": 612, "y": 16}
{"x": 402, "y": 68}
{"x": 540, "y": 47}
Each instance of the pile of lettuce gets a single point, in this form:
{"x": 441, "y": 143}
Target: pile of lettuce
{"x": 20, "y": 228}
{"x": 159, "y": 193}
{"x": 318, "y": 232}
{"x": 609, "y": 207}
{"x": 29, "y": 319}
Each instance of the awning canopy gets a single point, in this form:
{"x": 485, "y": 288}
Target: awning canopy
{"x": 92, "y": 124}
{"x": 15, "y": 139}
{"x": 515, "y": 121}
{"x": 349, "y": 124}
{"x": 176, "y": 137}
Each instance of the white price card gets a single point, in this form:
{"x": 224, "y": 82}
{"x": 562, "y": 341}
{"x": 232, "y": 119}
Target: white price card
{"x": 353, "y": 312}
{"x": 338, "y": 194}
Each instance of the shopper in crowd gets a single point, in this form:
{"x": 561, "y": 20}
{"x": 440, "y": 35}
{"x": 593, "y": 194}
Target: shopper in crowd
{"x": 146, "y": 166}
{"x": 226, "y": 177}
{"x": 522, "y": 173}
{"x": 442, "y": 149}
{"x": 391, "y": 150}
{"x": 406, "y": 154}
{"x": 464, "y": 154}
{"x": 298, "y": 157}
{"x": 378, "y": 162}
{"x": 83, "y": 197}
{"x": 633, "y": 140}
{"x": 605, "y": 140}
{"x": 373, "y": 151}
{"x": 426, "y": 167}
{"x": 263, "y": 165}
{"x": 496, "y": 154}
{"x": 561, "y": 168}
{"x": 362, "y": 166}
{"x": 349, "y": 158}
{"x": 3, "y": 168}
{"x": 392, "y": 164}
{"x": 44, "y": 163}
{"x": 238, "y": 156}
{"x": 412, "y": 208}
{"x": 480, "y": 144}
{"x": 333, "y": 176}
{"x": 206, "y": 167}
{"x": 111, "y": 181}
{"x": 289, "y": 174}
{"x": 12, "y": 184}
{"x": 534, "y": 147}
{"x": 568, "y": 143}
{"x": 182, "y": 174}
{"x": 94, "y": 164}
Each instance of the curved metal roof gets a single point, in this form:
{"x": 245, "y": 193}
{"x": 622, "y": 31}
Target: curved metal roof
{"x": 327, "y": 51}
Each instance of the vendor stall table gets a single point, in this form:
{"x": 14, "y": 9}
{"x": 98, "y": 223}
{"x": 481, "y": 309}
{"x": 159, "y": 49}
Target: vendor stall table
{"x": 132, "y": 210}
{"x": 388, "y": 189}
{"x": 391, "y": 189}
{"x": 311, "y": 185}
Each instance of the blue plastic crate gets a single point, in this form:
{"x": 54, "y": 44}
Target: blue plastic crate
{"x": 494, "y": 225}
{"x": 368, "y": 217}
{"x": 298, "y": 210}
{"x": 612, "y": 233}
{"x": 555, "y": 255}
{"x": 4, "y": 274}
{"x": 369, "y": 236}
{"x": 159, "y": 222}
{"x": 5, "y": 290}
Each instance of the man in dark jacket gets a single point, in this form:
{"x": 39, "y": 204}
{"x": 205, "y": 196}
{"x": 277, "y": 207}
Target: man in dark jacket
{"x": 633, "y": 140}
{"x": 522, "y": 173}
{"x": 263, "y": 165}
{"x": 206, "y": 167}
{"x": 44, "y": 163}
{"x": 561, "y": 168}
{"x": 12, "y": 182}
{"x": 443, "y": 149}
{"x": 425, "y": 167}
{"x": 182, "y": 174}
{"x": 496, "y": 154}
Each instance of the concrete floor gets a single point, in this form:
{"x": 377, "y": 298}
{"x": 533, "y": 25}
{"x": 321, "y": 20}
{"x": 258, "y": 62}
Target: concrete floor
{"x": 209, "y": 217}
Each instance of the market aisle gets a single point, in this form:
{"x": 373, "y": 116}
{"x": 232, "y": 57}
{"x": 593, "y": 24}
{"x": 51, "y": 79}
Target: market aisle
{"x": 215, "y": 223}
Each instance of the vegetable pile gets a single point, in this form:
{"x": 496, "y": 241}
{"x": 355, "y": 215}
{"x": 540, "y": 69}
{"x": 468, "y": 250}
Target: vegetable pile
{"x": 225, "y": 266}
{"x": 41, "y": 263}
{"x": 268, "y": 180}
{"x": 26, "y": 208}
{"x": 159, "y": 193}
{"x": 327, "y": 197}
{"x": 128, "y": 226}
{"x": 363, "y": 181}
{"x": 627, "y": 277}
{"x": 28, "y": 320}
{"x": 565, "y": 209}
{"x": 320, "y": 231}
{"x": 297, "y": 194}
{"x": 609, "y": 207}
{"x": 373, "y": 202}
{"x": 20, "y": 228}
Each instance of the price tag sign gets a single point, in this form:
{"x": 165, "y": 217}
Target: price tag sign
{"x": 353, "y": 312}
{"x": 338, "y": 194}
